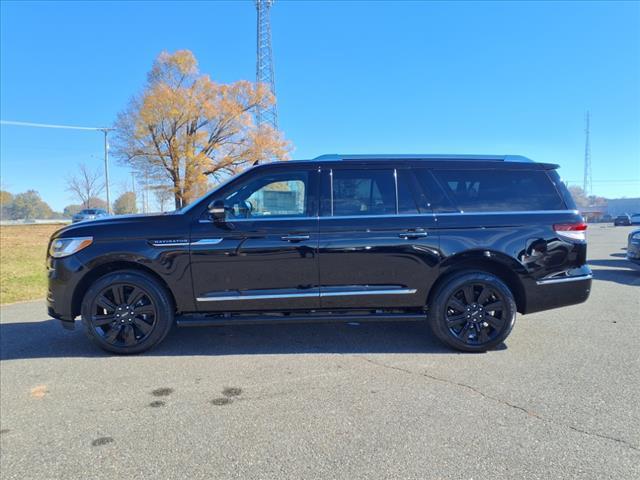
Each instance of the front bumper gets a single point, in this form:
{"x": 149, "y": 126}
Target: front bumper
{"x": 64, "y": 275}
{"x": 559, "y": 291}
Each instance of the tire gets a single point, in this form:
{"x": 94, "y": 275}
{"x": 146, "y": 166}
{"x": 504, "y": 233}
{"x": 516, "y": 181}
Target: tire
{"x": 459, "y": 317}
{"x": 127, "y": 312}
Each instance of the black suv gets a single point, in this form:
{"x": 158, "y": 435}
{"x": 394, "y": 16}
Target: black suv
{"x": 462, "y": 242}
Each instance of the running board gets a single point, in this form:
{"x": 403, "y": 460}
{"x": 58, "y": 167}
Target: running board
{"x": 214, "y": 321}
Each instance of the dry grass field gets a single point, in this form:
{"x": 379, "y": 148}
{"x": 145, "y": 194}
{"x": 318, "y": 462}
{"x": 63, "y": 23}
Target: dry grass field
{"x": 22, "y": 261}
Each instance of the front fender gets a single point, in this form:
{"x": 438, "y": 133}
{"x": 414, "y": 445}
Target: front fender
{"x": 168, "y": 262}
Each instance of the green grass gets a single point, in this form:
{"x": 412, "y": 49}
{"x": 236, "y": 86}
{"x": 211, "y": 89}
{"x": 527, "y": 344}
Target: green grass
{"x": 23, "y": 274}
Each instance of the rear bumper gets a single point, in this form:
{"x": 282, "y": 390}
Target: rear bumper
{"x": 559, "y": 291}
{"x": 633, "y": 251}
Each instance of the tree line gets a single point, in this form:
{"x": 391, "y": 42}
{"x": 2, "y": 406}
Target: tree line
{"x": 30, "y": 206}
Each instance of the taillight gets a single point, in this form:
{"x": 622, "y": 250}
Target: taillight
{"x": 573, "y": 231}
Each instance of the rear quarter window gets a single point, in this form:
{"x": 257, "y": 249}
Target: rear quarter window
{"x": 500, "y": 190}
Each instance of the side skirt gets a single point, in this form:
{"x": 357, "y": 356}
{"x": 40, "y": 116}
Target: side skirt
{"x": 199, "y": 320}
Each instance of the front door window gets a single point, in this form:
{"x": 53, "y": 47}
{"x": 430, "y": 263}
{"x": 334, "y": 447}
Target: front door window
{"x": 272, "y": 196}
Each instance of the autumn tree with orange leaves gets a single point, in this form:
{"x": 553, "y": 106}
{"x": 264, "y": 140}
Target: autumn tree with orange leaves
{"x": 186, "y": 130}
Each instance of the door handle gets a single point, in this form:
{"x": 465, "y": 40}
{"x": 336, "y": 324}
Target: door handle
{"x": 417, "y": 233}
{"x": 295, "y": 238}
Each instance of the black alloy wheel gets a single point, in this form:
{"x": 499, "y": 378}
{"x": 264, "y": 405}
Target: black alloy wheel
{"x": 127, "y": 312}
{"x": 123, "y": 315}
{"x": 472, "y": 312}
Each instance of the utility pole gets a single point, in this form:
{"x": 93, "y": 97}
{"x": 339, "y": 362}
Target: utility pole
{"x": 106, "y": 165}
{"x": 587, "y": 185}
{"x": 264, "y": 63}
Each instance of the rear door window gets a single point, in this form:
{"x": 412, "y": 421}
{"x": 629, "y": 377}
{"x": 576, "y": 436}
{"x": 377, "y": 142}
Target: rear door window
{"x": 363, "y": 192}
{"x": 407, "y": 194}
{"x": 500, "y": 190}
{"x": 431, "y": 196}
{"x": 562, "y": 188}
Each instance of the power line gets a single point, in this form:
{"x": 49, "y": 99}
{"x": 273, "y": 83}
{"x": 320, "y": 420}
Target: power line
{"x": 48, "y": 125}
{"x": 104, "y": 130}
{"x": 610, "y": 181}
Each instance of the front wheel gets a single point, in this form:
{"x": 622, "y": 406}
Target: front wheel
{"x": 127, "y": 312}
{"x": 473, "y": 312}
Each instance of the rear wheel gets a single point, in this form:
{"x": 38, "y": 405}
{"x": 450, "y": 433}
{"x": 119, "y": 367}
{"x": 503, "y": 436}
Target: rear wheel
{"x": 473, "y": 312}
{"x": 127, "y": 312}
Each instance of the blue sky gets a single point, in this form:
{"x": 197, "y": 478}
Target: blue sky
{"x": 351, "y": 77}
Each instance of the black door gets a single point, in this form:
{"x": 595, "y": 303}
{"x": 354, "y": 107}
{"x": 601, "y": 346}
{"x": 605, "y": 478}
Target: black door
{"x": 264, "y": 255}
{"x": 378, "y": 247}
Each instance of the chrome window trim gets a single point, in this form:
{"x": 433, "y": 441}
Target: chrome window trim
{"x": 331, "y": 190}
{"x": 403, "y": 291}
{"x": 387, "y": 215}
{"x": 272, "y": 219}
{"x": 395, "y": 182}
{"x": 507, "y": 212}
{"x": 550, "y": 281}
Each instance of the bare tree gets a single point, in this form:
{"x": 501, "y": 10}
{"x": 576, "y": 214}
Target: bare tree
{"x": 86, "y": 184}
{"x": 163, "y": 194}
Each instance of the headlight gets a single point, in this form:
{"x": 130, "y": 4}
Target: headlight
{"x": 635, "y": 236}
{"x": 63, "y": 247}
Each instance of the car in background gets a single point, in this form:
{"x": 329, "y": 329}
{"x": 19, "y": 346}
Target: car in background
{"x": 622, "y": 220}
{"x": 89, "y": 214}
{"x": 633, "y": 246}
{"x": 635, "y": 219}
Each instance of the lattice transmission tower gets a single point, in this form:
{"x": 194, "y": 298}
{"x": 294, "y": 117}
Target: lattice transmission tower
{"x": 264, "y": 62}
{"x": 587, "y": 185}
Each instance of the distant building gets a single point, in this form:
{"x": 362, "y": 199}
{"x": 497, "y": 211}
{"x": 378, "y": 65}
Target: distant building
{"x": 618, "y": 206}
{"x": 593, "y": 214}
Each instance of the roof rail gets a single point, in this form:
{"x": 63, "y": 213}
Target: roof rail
{"x": 464, "y": 157}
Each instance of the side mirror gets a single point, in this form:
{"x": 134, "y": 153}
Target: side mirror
{"x": 217, "y": 211}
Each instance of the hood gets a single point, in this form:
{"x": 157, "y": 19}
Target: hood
{"x": 117, "y": 225}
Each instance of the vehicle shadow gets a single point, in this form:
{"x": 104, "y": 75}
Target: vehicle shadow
{"x": 47, "y": 339}
{"x": 622, "y": 270}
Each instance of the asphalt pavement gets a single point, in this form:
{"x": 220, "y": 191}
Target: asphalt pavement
{"x": 380, "y": 400}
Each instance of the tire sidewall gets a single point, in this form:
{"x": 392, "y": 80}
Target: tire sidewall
{"x": 164, "y": 308}
{"x": 437, "y": 310}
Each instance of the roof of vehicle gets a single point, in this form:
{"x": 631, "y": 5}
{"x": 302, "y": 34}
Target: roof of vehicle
{"x": 515, "y": 161}
{"x": 423, "y": 156}
{"x": 438, "y": 160}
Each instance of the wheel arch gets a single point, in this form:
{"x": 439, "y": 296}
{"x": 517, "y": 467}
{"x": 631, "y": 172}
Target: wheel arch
{"x": 502, "y": 266}
{"x": 108, "y": 267}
